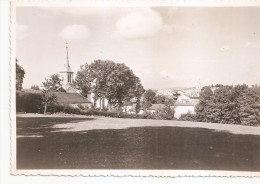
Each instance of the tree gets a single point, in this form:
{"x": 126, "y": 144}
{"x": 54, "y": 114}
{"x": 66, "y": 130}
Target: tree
{"x": 148, "y": 99}
{"x": 159, "y": 99}
{"x": 82, "y": 80}
{"x": 169, "y": 102}
{"x": 249, "y": 107}
{"x": 138, "y": 94}
{"x": 228, "y": 104}
{"x": 35, "y": 87}
{"x": 165, "y": 113}
{"x": 53, "y": 83}
{"x": 202, "y": 109}
{"x": 108, "y": 80}
{"x": 48, "y": 98}
{"x": 19, "y": 76}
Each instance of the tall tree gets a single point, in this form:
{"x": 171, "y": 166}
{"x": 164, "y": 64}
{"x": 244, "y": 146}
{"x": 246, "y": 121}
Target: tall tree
{"x": 202, "y": 109}
{"x": 148, "y": 98}
{"x": 19, "y": 76}
{"x": 108, "y": 80}
{"x": 138, "y": 94}
{"x": 228, "y": 104}
{"x": 83, "y": 80}
{"x": 53, "y": 83}
{"x": 249, "y": 107}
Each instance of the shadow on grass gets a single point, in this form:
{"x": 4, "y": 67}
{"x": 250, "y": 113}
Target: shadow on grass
{"x": 135, "y": 148}
{"x": 40, "y": 126}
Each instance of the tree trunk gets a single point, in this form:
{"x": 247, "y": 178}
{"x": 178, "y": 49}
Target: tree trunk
{"x": 100, "y": 103}
{"x": 45, "y": 108}
{"x": 109, "y": 105}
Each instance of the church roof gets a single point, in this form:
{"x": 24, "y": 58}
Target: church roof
{"x": 70, "y": 98}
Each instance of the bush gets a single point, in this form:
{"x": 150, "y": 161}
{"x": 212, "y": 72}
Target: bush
{"x": 28, "y": 102}
{"x": 188, "y": 117}
{"x": 165, "y": 113}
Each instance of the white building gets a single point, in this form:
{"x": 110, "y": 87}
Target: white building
{"x": 185, "y": 104}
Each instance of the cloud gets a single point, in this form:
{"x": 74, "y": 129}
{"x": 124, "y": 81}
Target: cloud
{"x": 74, "y": 32}
{"x": 21, "y": 31}
{"x": 142, "y": 23}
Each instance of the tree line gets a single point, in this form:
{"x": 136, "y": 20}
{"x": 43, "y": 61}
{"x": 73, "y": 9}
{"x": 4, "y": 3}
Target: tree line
{"x": 238, "y": 104}
{"x": 116, "y": 82}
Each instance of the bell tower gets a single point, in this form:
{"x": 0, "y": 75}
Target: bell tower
{"x": 67, "y": 73}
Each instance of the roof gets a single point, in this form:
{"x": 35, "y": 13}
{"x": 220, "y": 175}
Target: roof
{"x": 156, "y": 106}
{"x": 70, "y": 98}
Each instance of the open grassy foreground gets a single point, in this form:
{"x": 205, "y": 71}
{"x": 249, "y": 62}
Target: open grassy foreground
{"x": 79, "y": 142}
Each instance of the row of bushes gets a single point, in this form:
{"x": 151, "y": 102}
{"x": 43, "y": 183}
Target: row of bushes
{"x": 160, "y": 114}
{"x": 32, "y": 103}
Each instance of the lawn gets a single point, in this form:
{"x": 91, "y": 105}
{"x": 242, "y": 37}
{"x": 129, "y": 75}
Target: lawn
{"x": 46, "y": 143}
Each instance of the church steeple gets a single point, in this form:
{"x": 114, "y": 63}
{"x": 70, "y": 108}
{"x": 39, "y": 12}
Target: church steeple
{"x": 67, "y": 73}
{"x": 67, "y": 64}
{"x": 67, "y": 55}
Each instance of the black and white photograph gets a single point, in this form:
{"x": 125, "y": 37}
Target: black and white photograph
{"x": 159, "y": 90}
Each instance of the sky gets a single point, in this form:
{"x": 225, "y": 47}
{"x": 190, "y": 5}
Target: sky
{"x": 164, "y": 46}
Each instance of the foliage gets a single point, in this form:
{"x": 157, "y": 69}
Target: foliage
{"x": 28, "y": 102}
{"x": 188, "y": 117}
{"x": 148, "y": 98}
{"x": 83, "y": 80}
{"x": 35, "y": 87}
{"x": 107, "y": 79}
{"x": 249, "y": 111}
{"x": 230, "y": 105}
{"x": 138, "y": 106}
{"x": 47, "y": 98}
{"x": 159, "y": 99}
{"x": 165, "y": 113}
{"x": 203, "y": 108}
{"x": 53, "y": 83}
{"x": 19, "y": 76}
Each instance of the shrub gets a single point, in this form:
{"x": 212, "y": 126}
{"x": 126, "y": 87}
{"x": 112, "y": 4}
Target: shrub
{"x": 188, "y": 117}
{"x": 28, "y": 102}
{"x": 165, "y": 113}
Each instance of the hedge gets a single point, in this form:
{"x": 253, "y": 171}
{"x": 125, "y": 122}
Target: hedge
{"x": 28, "y": 102}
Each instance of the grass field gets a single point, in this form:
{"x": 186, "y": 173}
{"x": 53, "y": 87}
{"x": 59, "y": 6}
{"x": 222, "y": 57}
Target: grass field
{"x": 46, "y": 143}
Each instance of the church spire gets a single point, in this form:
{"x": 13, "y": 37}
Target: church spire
{"x": 67, "y": 73}
{"x": 67, "y": 55}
